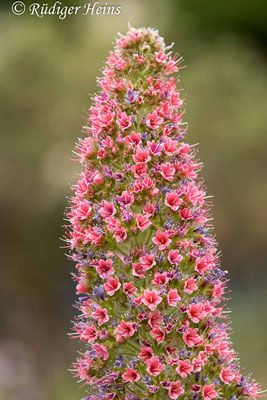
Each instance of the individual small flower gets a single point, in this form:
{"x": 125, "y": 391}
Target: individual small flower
{"x": 104, "y": 268}
{"x": 158, "y": 334}
{"x": 146, "y": 354}
{"x": 184, "y": 368}
{"x": 161, "y": 239}
{"x": 167, "y": 171}
{"x": 170, "y": 146}
{"x": 108, "y": 209}
{"x": 100, "y": 315}
{"x": 155, "y": 148}
{"x": 191, "y": 337}
{"x": 141, "y": 155}
{"x": 154, "y": 366}
{"x": 175, "y": 390}
{"x": 174, "y": 257}
{"x": 173, "y": 200}
{"x": 139, "y": 169}
{"x": 129, "y": 288}
{"x": 173, "y": 297}
{"x": 161, "y": 56}
{"x": 100, "y": 351}
{"x": 120, "y": 234}
{"x": 90, "y": 334}
{"x": 84, "y": 210}
{"x": 126, "y": 199}
{"x": 124, "y": 331}
{"x": 226, "y": 375}
{"x": 190, "y": 285}
{"x": 151, "y": 299}
{"x": 124, "y": 121}
{"x": 196, "y": 312}
{"x": 149, "y": 209}
{"x": 148, "y": 261}
{"x": 112, "y": 285}
{"x": 154, "y": 120}
{"x": 139, "y": 270}
{"x": 160, "y": 279}
{"x": 185, "y": 214}
{"x": 131, "y": 375}
{"x": 142, "y": 222}
{"x": 155, "y": 319}
{"x": 208, "y": 392}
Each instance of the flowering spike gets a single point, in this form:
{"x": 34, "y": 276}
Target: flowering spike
{"x": 148, "y": 271}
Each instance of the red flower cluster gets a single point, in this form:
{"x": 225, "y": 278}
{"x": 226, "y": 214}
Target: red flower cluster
{"x": 148, "y": 271}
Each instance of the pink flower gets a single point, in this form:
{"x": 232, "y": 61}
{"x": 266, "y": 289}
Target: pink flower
{"x": 160, "y": 279}
{"x": 190, "y": 285}
{"x": 146, "y": 354}
{"x": 151, "y": 299}
{"x": 90, "y": 334}
{"x": 175, "y": 100}
{"x": 105, "y": 268}
{"x": 124, "y": 330}
{"x": 161, "y": 56}
{"x": 142, "y": 222}
{"x": 129, "y": 288}
{"x": 101, "y": 315}
{"x": 112, "y": 285}
{"x": 126, "y": 199}
{"x": 185, "y": 214}
{"x": 167, "y": 171}
{"x": 148, "y": 261}
{"x": 226, "y": 375}
{"x": 161, "y": 239}
{"x": 173, "y": 297}
{"x": 112, "y": 224}
{"x": 172, "y": 200}
{"x": 97, "y": 178}
{"x": 170, "y": 146}
{"x": 154, "y": 120}
{"x": 81, "y": 288}
{"x": 184, "y": 368}
{"x": 196, "y": 312}
{"x": 174, "y": 257}
{"x": 155, "y": 319}
{"x": 139, "y": 170}
{"x": 154, "y": 367}
{"x": 171, "y": 67}
{"x": 155, "y": 148}
{"x": 149, "y": 209}
{"x": 108, "y": 209}
{"x": 131, "y": 375}
{"x": 175, "y": 390}
{"x": 139, "y": 270}
{"x": 100, "y": 351}
{"x": 203, "y": 264}
{"x": 84, "y": 210}
{"x": 208, "y": 392}
{"x": 141, "y": 155}
{"x": 120, "y": 234}
{"x": 191, "y": 338}
{"x": 92, "y": 236}
{"x": 124, "y": 121}
{"x": 158, "y": 334}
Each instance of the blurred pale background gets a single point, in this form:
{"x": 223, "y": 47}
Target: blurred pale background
{"x": 48, "y": 69}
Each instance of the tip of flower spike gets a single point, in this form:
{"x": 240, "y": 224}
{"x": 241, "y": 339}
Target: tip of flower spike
{"x": 140, "y": 38}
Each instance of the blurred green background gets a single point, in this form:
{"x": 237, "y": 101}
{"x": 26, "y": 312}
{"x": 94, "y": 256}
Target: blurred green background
{"x": 48, "y": 68}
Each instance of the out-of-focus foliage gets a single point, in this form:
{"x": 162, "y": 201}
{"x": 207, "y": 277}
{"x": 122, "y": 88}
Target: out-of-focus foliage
{"x": 47, "y": 69}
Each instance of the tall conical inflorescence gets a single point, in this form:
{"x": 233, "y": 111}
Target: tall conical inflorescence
{"x": 148, "y": 277}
